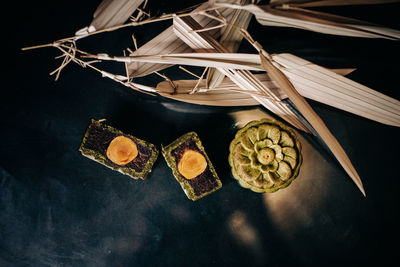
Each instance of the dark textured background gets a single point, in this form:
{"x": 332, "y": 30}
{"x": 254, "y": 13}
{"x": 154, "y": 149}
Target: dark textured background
{"x": 58, "y": 208}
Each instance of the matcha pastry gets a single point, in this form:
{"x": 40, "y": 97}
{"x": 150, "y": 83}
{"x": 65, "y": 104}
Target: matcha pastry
{"x": 119, "y": 151}
{"x": 191, "y": 166}
{"x": 265, "y": 156}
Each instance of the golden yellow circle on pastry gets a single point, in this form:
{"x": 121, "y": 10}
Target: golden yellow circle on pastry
{"x": 122, "y": 150}
{"x": 191, "y": 164}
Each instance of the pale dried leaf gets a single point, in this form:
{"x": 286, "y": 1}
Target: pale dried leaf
{"x": 203, "y": 42}
{"x": 230, "y": 39}
{"x": 217, "y": 97}
{"x": 113, "y": 12}
{"x": 313, "y": 118}
{"x": 167, "y": 42}
{"x": 185, "y": 87}
{"x": 313, "y": 3}
{"x": 322, "y": 85}
{"x": 216, "y": 60}
{"x": 317, "y": 21}
{"x": 325, "y": 86}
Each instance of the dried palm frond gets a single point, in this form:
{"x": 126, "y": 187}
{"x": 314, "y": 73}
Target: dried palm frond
{"x": 226, "y": 94}
{"x": 288, "y": 16}
{"x": 230, "y": 39}
{"x": 219, "y": 96}
{"x": 310, "y": 115}
{"x": 210, "y": 59}
{"x": 310, "y": 80}
{"x": 113, "y": 12}
{"x": 180, "y": 90}
{"x": 167, "y": 42}
{"x": 313, "y": 118}
{"x": 203, "y": 42}
{"x": 325, "y": 86}
{"x": 315, "y": 3}
{"x": 110, "y": 13}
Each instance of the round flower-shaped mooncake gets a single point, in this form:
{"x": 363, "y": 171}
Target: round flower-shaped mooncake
{"x": 265, "y": 156}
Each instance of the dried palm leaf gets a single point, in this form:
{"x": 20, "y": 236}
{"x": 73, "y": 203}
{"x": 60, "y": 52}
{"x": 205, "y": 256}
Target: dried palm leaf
{"x": 343, "y": 71}
{"x": 175, "y": 89}
{"x": 345, "y": 95}
{"x": 226, "y": 94}
{"x": 230, "y": 39}
{"x": 312, "y": 81}
{"x": 312, "y": 117}
{"x": 322, "y": 85}
{"x": 167, "y": 42}
{"x": 287, "y": 16}
{"x": 218, "y": 60}
{"x": 111, "y": 13}
{"x": 202, "y": 42}
{"x": 219, "y": 96}
{"x": 315, "y": 3}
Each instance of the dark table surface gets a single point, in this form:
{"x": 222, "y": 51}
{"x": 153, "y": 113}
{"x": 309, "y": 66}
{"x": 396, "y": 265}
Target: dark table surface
{"x": 58, "y": 208}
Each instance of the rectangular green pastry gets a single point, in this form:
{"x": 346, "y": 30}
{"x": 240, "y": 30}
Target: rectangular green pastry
{"x": 96, "y": 146}
{"x": 191, "y": 166}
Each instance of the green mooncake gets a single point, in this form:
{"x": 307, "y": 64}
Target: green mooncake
{"x": 265, "y": 156}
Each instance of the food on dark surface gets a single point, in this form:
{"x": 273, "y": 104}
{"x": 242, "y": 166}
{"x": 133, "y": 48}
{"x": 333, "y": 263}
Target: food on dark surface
{"x": 191, "y": 166}
{"x": 119, "y": 151}
{"x": 265, "y": 156}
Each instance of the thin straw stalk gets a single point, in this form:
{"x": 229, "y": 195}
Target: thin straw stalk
{"x": 71, "y": 55}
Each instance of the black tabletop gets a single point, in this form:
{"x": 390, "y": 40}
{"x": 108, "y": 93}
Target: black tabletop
{"x": 58, "y": 208}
